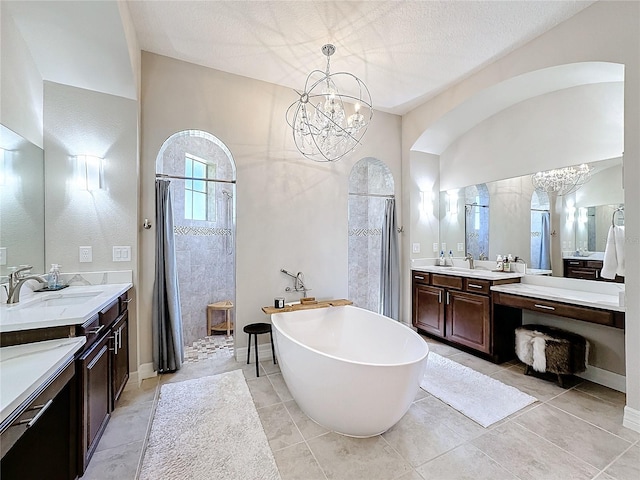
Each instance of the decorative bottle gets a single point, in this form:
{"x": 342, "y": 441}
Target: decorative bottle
{"x": 499, "y": 264}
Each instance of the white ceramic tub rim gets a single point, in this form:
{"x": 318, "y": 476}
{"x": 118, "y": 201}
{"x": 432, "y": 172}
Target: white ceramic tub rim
{"x": 274, "y": 321}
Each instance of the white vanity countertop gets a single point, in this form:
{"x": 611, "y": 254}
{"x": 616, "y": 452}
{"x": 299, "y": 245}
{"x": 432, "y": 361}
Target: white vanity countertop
{"x": 70, "y": 306}
{"x": 24, "y": 368}
{"x": 582, "y": 298}
{"x": 467, "y": 272}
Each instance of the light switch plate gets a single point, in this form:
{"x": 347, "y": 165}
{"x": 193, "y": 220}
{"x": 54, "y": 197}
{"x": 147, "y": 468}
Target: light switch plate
{"x": 86, "y": 255}
{"x": 435, "y": 247}
{"x": 444, "y": 247}
{"x": 461, "y": 247}
{"x": 3, "y": 255}
{"x": 416, "y": 248}
{"x": 122, "y": 254}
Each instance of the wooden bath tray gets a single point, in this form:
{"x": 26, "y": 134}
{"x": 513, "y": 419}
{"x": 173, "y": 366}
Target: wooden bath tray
{"x": 307, "y": 306}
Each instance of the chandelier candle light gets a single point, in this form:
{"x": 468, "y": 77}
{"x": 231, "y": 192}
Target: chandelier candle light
{"x": 562, "y": 181}
{"x": 321, "y": 129}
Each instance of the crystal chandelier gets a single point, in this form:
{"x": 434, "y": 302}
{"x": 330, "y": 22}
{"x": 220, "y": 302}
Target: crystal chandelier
{"x": 562, "y": 180}
{"x": 321, "y": 129}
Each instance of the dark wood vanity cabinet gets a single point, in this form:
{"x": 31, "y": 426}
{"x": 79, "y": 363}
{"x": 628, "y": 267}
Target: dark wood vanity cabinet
{"x": 459, "y": 310}
{"x": 586, "y": 270}
{"x": 103, "y": 371}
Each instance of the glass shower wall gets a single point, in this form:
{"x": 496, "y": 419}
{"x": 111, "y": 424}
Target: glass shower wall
{"x": 204, "y": 248}
{"x": 370, "y": 184}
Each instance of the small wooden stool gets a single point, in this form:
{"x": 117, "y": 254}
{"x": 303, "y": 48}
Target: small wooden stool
{"x": 256, "y": 329}
{"x": 226, "y": 306}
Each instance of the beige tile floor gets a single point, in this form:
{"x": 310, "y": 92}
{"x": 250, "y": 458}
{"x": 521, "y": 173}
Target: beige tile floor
{"x": 575, "y": 433}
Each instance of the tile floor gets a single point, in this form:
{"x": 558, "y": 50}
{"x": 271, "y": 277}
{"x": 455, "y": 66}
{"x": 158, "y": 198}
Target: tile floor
{"x": 572, "y": 434}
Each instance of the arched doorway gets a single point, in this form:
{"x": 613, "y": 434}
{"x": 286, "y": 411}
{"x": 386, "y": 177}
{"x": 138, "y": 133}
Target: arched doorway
{"x": 203, "y": 175}
{"x": 370, "y": 184}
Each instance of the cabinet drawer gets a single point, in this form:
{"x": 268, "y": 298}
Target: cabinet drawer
{"x": 574, "y": 263}
{"x": 32, "y": 409}
{"x": 583, "y": 273}
{"x": 449, "y": 281}
{"x": 602, "y": 317}
{"x": 124, "y": 301}
{"x": 109, "y": 313}
{"x": 420, "y": 277}
{"x": 477, "y": 286}
{"x": 92, "y": 329}
{"x": 594, "y": 264}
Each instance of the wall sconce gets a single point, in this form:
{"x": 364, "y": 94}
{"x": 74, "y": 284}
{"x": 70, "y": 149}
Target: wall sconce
{"x": 88, "y": 172}
{"x": 452, "y": 202}
{"x": 425, "y": 202}
{"x": 571, "y": 211}
{"x": 582, "y": 215}
{"x": 3, "y": 168}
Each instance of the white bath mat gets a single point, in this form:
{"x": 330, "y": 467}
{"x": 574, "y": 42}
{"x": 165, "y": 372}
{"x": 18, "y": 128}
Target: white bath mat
{"x": 208, "y": 428}
{"x": 483, "y": 399}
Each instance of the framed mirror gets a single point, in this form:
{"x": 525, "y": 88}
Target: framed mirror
{"x": 21, "y": 203}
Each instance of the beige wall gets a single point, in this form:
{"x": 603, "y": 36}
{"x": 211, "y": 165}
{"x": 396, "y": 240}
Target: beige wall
{"x": 606, "y": 31}
{"x": 291, "y": 212}
{"x": 21, "y": 92}
{"x": 78, "y": 121}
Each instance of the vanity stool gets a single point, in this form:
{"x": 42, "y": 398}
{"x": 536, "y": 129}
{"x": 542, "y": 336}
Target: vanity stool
{"x": 256, "y": 329}
{"x": 226, "y": 306}
{"x": 550, "y": 349}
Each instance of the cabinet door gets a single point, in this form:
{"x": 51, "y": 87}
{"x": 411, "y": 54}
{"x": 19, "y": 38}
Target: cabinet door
{"x": 95, "y": 397}
{"x": 428, "y": 309}
{"x": 468, "y": 320}
{"x": 120, "y": 357}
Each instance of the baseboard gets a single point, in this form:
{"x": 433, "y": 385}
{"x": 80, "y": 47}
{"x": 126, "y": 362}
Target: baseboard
{"x": 264, "y": 353}
{"x": 631, "y": 418}
{"x": 604, "y": 377}
{"x": 144, "y": 371}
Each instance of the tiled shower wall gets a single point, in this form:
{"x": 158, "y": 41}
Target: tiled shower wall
{"x": 205, "y": 250}
{"x": 368, "y": 177}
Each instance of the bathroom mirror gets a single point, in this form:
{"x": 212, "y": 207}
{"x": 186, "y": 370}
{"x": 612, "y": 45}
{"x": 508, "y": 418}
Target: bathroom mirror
{"x": 21, "y": 202}
{"x": 509, "y": 222}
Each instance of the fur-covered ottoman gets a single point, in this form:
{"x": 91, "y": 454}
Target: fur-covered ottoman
{"x": 550, "y": 349}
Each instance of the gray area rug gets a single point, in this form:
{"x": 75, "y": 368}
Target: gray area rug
{"x": 483, "y": 399}
{"x": 208, "y": 428}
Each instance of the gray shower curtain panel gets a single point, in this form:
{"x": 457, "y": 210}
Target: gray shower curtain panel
{"x": 168, "y": 351}
{"x": 390, "y": 264}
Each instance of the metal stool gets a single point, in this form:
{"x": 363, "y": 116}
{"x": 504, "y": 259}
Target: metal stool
{"x": 226, "y": 306}
{"x": 256, "y": 329}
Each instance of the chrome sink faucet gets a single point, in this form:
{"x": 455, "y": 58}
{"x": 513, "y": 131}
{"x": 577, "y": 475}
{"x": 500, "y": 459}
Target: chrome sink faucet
{"x": 470, "y": 258}
{"x": 17, "y": 279}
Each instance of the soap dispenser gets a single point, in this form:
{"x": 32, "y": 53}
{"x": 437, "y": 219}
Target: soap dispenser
{"x": 53, "y": 282}
{"x": 499, "y": 264}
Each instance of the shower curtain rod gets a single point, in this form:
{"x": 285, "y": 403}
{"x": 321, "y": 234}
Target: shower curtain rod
{"x": 178, "y": 177}
{"x": 372, "y": 195}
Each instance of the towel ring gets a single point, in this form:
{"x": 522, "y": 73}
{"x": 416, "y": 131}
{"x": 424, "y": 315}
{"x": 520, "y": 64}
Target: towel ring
{"x": 613, "y": 217}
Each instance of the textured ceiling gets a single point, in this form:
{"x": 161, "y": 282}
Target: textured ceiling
{"x": 405, "y": 51}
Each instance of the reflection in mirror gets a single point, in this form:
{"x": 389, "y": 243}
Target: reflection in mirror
{"x": 512, "y": 227}
{"x": 21, "y": 202}
{"x": 476, "y": 222}
{"x": 592, "y": 226}
{"x": 540, "y": 231}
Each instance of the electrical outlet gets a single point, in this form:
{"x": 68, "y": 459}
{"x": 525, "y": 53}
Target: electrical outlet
{"x": 461, "y": 247}
{"x": 444, "y": 247}
{"x": 416, "y": 248}
{"x": 3, "y": 255}
{"x": 435, "y": 247}
{"x": 122, "y": 254}
{"x": 86, "y": 255}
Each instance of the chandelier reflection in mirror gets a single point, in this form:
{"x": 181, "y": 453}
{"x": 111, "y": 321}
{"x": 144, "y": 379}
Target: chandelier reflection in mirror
{"x": 562, "y": 181}
{"x": 321, "y": 129}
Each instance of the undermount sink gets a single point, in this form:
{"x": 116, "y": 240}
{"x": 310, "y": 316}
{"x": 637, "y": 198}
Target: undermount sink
{"x": 57, "y": 300}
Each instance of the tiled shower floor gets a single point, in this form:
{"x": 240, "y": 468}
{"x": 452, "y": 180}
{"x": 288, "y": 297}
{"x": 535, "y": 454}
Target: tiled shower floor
{"x": 574, "y": 434}
{"x": 207, "y": 347}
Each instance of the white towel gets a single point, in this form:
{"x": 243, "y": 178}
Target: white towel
{"x": 613, "y": 263}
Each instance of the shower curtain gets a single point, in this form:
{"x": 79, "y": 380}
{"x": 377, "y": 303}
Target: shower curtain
{"x": 390, "y": 267}
{"x": 545, "y": 242}
{"x": 168, "y": 352}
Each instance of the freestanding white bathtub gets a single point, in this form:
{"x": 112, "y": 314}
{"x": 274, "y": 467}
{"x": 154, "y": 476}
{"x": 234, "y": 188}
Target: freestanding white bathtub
{"x": 351, "y": 370}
